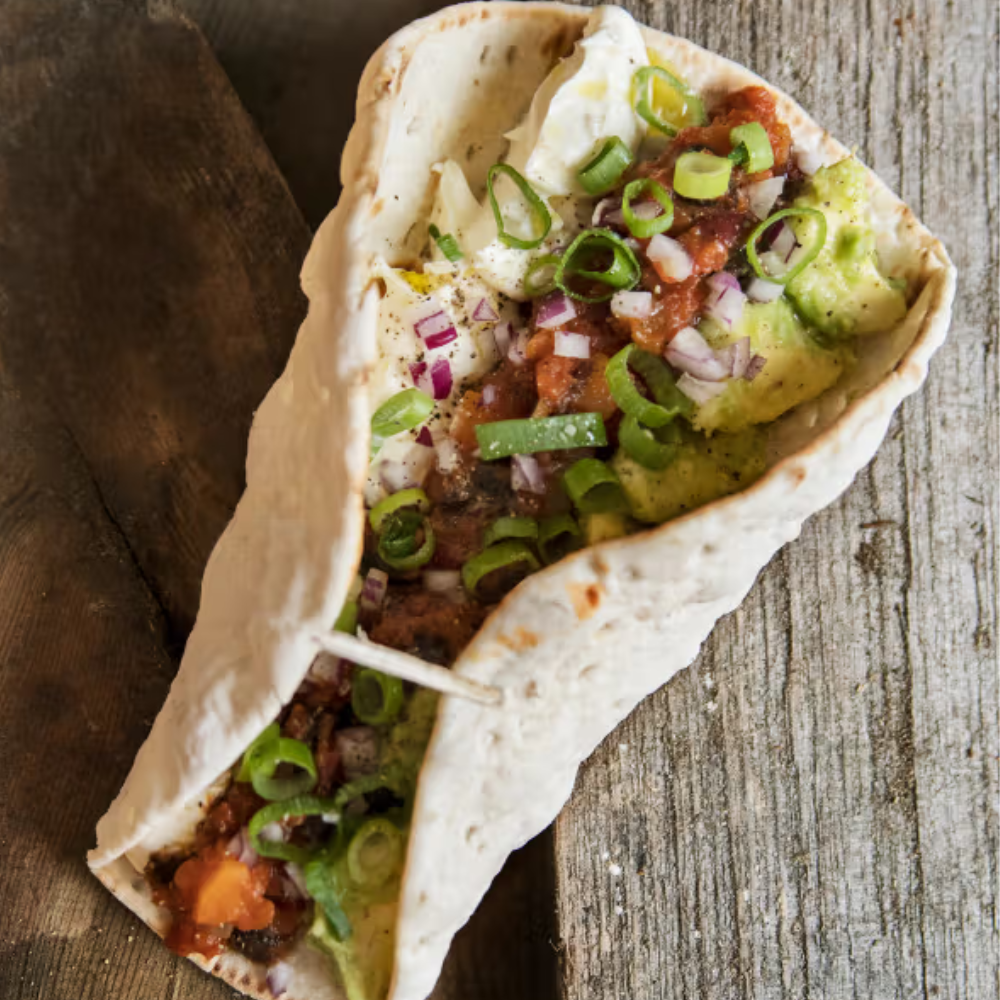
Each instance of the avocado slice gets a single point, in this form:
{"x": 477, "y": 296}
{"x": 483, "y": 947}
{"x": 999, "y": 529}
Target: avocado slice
{"x": 797, "y": 368}
{"x": 842, "y": 292}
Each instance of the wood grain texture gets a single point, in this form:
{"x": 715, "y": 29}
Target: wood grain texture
{"x": 810, "y": 811}
{"x": 149, "y": 256}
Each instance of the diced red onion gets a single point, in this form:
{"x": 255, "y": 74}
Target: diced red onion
{"x": 296, "y": 880}
{"x": 436, "y": 331}
{"x": 647, "y": 210}
{"x": 435, "y": 379}
{"x": 448, "y": 454}
{"x": 672, "y": 261}
{"x": 603, "y": 210}
{"x": 485, "y": 313}
{"x": 739, "y": 355}
{"x": 424, "y": 437}
{"x": 518, "y": 352}
{"x": 373, "y": 591}
{"x": 526, "y": 474}
{"x": 442, "y": 581}
{"x": 554, "y": 310}
{"x": 784, "y": 242}
{"x": 279, "y": 978}
{"x": 690, "y": 353}
{"x": 490, "y": 393}
{"x": 633, "y": 244}
{"x": 358, "y": 748}
{"x": 760, "y": 290}
{"x": 502, "y": 335}
{"x": 274, "y": 832}
{"x": 698, "y": 390}
{"x": 571, "y": 345}
{"x": 632, "y": 305}
{"x": 762, "y": 196}
{"x": 725, "y": 301}
{"x": 241, "y": 848}
{"x": 754, "y": 367}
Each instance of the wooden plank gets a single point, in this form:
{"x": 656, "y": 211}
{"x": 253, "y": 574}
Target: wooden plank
{"x": 811, "y": 810}
{"x": 149, "y": 257}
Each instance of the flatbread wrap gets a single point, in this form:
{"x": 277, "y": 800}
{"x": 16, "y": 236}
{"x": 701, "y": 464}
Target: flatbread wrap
{"x": 599, "y": 320}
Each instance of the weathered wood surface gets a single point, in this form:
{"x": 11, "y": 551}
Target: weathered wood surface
{"x": 149, "y": 256}
{"x": 810, "y": 811}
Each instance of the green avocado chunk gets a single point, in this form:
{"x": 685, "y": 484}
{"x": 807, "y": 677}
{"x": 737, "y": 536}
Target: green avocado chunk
{"x": 797, "y": 368}
{"x": 704, "y": 470}
{"x": 842, "y": 293}
{"x": 365, "y": 958}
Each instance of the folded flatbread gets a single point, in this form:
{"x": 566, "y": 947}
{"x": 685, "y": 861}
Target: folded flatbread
{"x": 574, "y": 647}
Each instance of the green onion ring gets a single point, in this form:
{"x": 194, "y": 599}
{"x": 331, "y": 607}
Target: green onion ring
{"x": 447, "y": 244}
{"x": 652, "y": 449}
{"x": 669, "y": 400}
{"x": 624, "y": 272}
{"x": 370, "y": 863}
{"x": 530, "y": 288}
{"x": 397, "y": 545}
{"x": 602, "y": 172}
{"x": 404, "y": 498}
{"x": 321, "y": 885}
{"x": 347, "y": 620}
{"x": 702, "y": 176}
{"x": 643, "y": 229}
{"x": 811, "y": 254}
{"x": 376, "y": 698}
{"x": 360, "y": 786}
{"x": 554, "y": 528}
{"x": 264, "y": 760}
{"x": 499, "y": 556}
{"x": 504, "y": 438}
{"x": 753, "y": 139}
{"x": 642, "y": 97}
{"x": 303, "y": 805}
{"x": 510, "y": 527}
{"x": 594, "y": 488}
{"x": 541, "y": 212}
{"x": 405, "y": 410}
{"x": 272, "y": 732}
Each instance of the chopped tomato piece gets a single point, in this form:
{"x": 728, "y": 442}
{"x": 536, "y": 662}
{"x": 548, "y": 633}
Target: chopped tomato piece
{"x": 224, "y": 891}
{"x": 556, "y": 378}
{"x": 675, "y": 309}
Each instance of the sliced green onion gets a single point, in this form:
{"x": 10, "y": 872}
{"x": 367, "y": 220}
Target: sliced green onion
{"x": 357, "y": 788}
{"x": 533, "y": 287}
{"x": 321, "y": 884}
{"x": 375, "y": 852}
{"x": 651, "y": 448}
{"x": 376, "y": 697}
{"x": 602, "y": 172}
{"x": 399, "y": 413}
{"x": 812, "y": 251}
{"x": 347, "y": 620}
{"x": 264, "y": 761}
{"x": 542, "y": 216}
{"x": 276, "y": 812}
{"x": 510, "y": 527}
{"x": 447, "y": 244}
{"x": 557, "y": 537}
{"x": 594, "y": 488}
{"x": 670, "y": 402}
{"x": 753, "y": 140}
{"x": 391, "y": 504}
{"x": 621, "y": 274}
{"x": 499, "y": 556}
{"x": 398, "y": 547}
{"x": 523, "y": 437}
{"x": 272, "y": 732}
{"x": 702, "y": 176}
{"x": 642, "y": 82}
{"x": 642, "y": 229}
